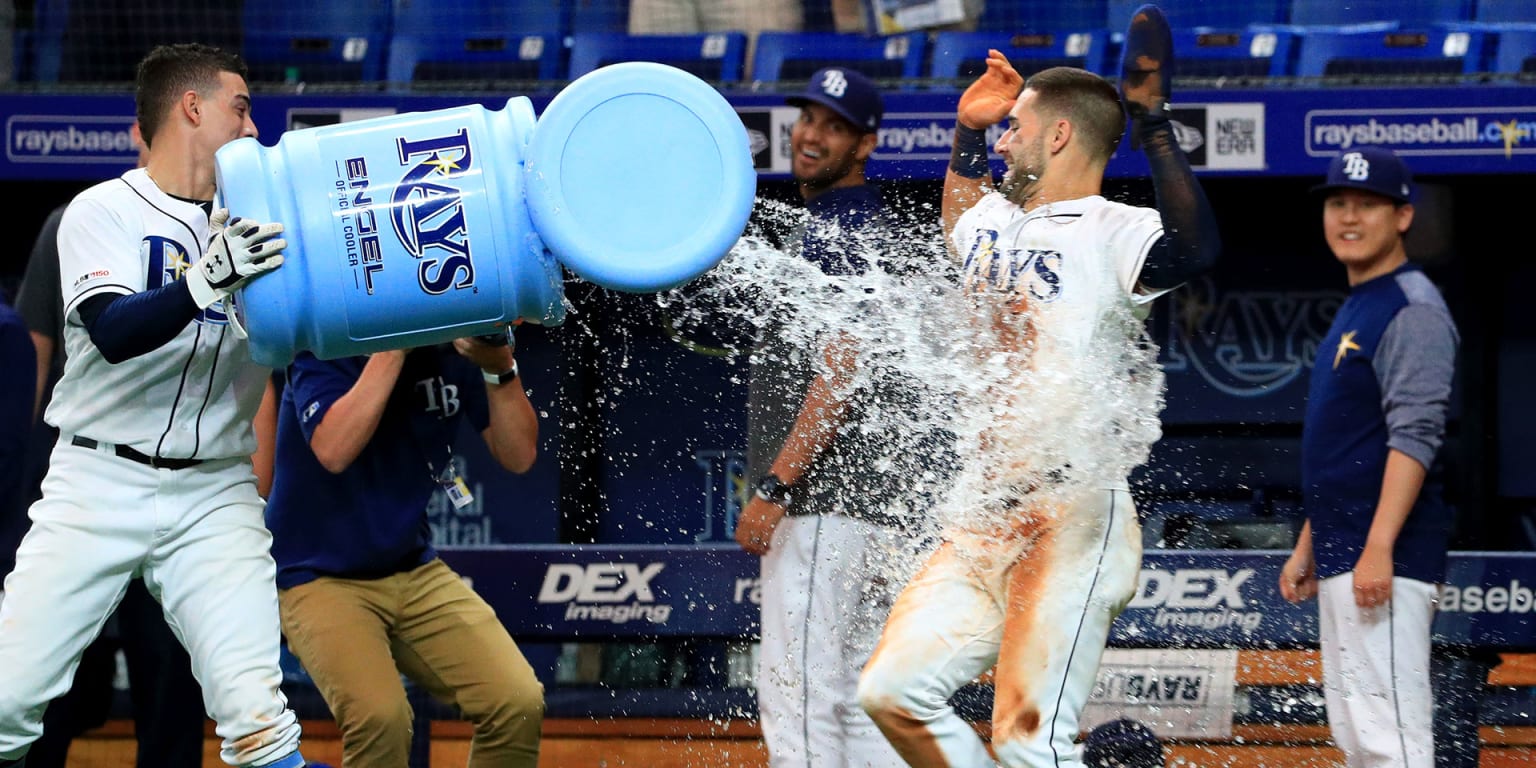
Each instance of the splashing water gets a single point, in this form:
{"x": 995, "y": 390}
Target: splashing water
{"x": 1033, "y": 420}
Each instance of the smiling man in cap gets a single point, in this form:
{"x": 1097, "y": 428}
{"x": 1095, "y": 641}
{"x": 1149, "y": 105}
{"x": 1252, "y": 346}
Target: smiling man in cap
{"x": 1373, "y": 548}
{"x": 822, "y": 516}
{"x": 836, "y": 132}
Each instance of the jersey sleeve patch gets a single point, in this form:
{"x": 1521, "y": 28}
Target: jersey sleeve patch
{"x": 95, "y": 288}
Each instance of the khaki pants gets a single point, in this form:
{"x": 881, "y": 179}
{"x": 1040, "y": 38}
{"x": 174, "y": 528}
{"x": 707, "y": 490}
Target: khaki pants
{"x": 352, "y": 635}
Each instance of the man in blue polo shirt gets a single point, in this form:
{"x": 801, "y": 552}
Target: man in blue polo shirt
{"x": 1373, "y": 548}
{"x": 362, "y": 442}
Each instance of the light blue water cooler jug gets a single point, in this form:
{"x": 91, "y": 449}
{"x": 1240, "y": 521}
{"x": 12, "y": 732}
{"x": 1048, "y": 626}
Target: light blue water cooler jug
{"x": 419, "y": 228}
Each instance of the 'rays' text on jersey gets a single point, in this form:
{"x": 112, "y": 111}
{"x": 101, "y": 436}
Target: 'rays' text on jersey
{"x": 1036, "y": 270}
{"x": 427, "y": 210}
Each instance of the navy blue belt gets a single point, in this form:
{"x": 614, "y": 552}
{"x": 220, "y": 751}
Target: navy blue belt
{"x": 130, "y": 454}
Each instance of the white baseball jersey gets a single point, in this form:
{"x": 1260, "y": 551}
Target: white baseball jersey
{"x": 1066, "y": 261}
{"x": 1031, "y": 585}
{"x": 1062, "y": 281}
{"x": 195, "y": 396}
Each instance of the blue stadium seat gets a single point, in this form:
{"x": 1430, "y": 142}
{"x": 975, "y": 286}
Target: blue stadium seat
{"x": 1505, "y": 12}
{"x": 1431, "y": 51}
{"x": 1017, "y": 17}
{"x": 1203, "y": 14}
{"x": 331, "y": 41}
{"x": 599, "y": 16}
{"x": 1407, "y": 13}
{"x": 103, "y": 40}
{"x": 1513, "y": 48}
{"x": 794, "y": 56}
{"x": 476, "y": 40}
{"x": 962, "y": 55}
{"x": 1244, "y": 52}
{"x": 50, "y": 18}
{"x": 717, "y": 57}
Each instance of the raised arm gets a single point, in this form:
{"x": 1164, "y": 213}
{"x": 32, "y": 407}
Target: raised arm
{"x": 349, "y": 424}
{"x": 820, "y": 417}
{"x": 984, "y": 104}
{"x": 512, "y": 436}
{"x": 1190, "y": 242}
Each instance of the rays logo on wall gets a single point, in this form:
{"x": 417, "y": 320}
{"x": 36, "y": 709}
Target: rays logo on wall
{"x": 168, "y": 261}
{"x": 428, "y": 211}
{"x": 1246, "y": 343}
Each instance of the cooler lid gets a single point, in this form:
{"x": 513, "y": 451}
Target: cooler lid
{"x": 639, "y": 177}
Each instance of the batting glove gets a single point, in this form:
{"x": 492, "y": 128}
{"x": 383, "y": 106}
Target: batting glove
{"x": 1146, "y": 71}
{"x": 237, "y": 252}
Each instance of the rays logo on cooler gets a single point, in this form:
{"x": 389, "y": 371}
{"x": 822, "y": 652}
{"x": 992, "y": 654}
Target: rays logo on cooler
{"x": 1007, "y": 270}
{"x": 167, "y": 261}
{"x": 611, "y": 592}
{"x": 428, "y": 211}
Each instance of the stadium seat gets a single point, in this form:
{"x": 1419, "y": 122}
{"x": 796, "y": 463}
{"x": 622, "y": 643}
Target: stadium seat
{"x": 1513, "y": 49}
{"x": 1203, "y": 15}
{"x": 1407, "y": 52}
{"x": 1015, "y": 18}
{"x": 103, "y": 40}
{"x": 716, "y": 57}
{"x": 962, "y": 55}
{"x": 1505, "y": 12}
{"x": 332, "y": 41}
{"x": 1406, "y": 13}
{"x": 794, "y": 56}
{"x": 599, "y": 16}
{"x": 1249, "y": 52}
{"x": 476, "y": 40}
{"x": 51, "y": 17}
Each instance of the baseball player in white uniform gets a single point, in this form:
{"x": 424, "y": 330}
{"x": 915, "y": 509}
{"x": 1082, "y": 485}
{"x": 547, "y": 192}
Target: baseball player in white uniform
{"x": 152, "y": 475}
{"x": 1030, "y": 579}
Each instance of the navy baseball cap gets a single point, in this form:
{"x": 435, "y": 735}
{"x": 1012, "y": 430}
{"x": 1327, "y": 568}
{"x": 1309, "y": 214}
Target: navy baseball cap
{"x": 848, "y": 92}
{"x": 1122, "y": 743}
{"x": 1373, "y": 169}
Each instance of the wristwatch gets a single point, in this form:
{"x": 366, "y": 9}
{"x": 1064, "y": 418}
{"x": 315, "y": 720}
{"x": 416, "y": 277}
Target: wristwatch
{"x": 771, "y": 488}
{"x": 500, "y": 378}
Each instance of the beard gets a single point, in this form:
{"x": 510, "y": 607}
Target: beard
{"x": 828, "y": 175}
{"x": 1022, "y": 180}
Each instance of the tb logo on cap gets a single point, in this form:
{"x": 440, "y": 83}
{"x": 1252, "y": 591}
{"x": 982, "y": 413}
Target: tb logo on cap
{"x": 1356, "y": 167}
{"x": 834, "y": 83}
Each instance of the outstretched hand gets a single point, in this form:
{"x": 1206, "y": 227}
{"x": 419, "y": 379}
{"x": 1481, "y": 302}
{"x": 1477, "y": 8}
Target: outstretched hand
{"x": 989, "y": 100}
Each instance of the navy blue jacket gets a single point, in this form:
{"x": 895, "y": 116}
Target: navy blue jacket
{"x": 1382, "y": 380}
{"x": 370, "y": 520}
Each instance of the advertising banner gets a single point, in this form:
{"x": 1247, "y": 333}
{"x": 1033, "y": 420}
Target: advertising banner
{"x": 1243, "y": 132}
{"x": 1186, "y": 599}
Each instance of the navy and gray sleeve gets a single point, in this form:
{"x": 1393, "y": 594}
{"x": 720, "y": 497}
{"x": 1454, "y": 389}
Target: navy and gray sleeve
{"x": 1191, "y": 240}
{"x": 1415, "y": 364}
